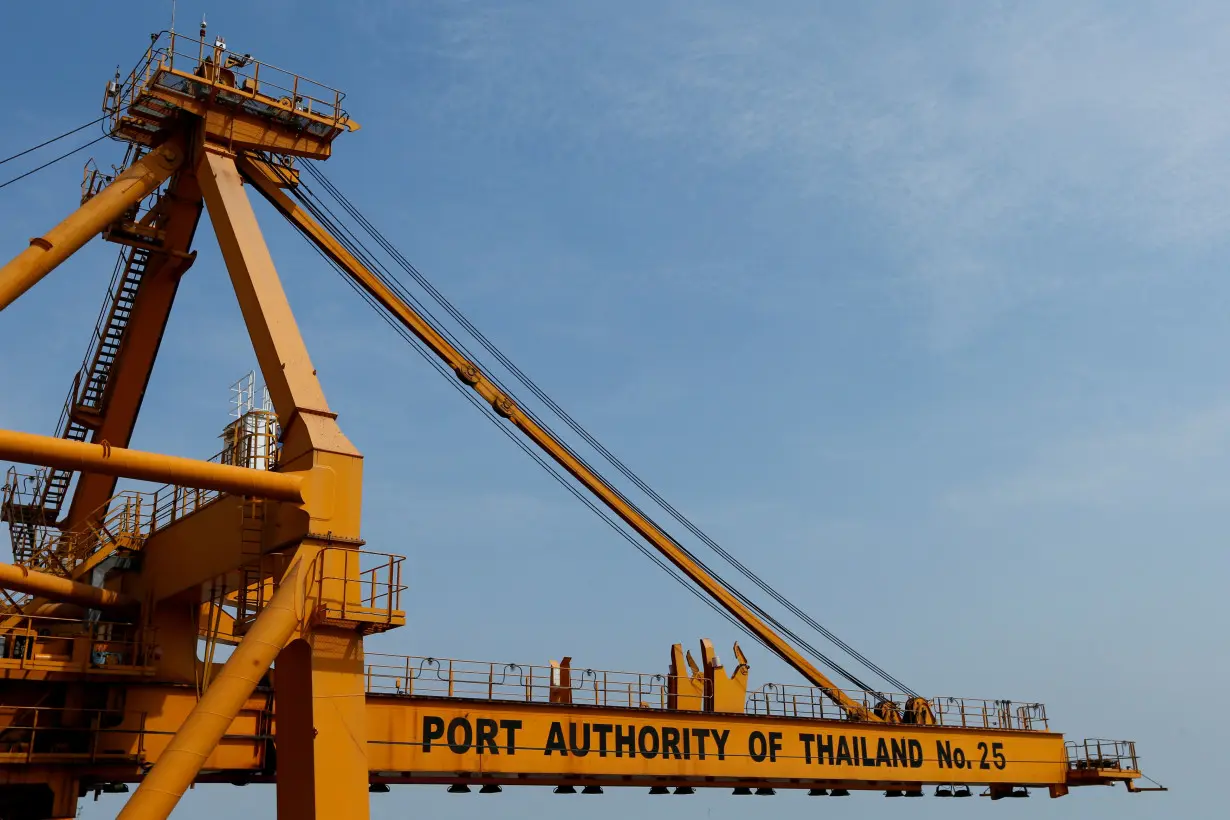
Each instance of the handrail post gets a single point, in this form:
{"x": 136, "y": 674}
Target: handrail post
{"x": 33, "y": 735}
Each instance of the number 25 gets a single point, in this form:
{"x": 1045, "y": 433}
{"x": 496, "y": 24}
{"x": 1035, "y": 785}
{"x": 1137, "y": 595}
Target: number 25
{"x": 996, "y": 751}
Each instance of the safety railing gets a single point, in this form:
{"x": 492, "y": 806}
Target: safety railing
{"x": 351, "y": 585}
{"x": 526, "y": 683}
{"x": 94, "y": 180}
{"x": 990, "y": 714}
{"x": 252, "y": 441}
{"x": 791, "y": 700}
{"x": 125, "y": 521}
{"x": 121, "y": 523}
{"x": 23, "y": 496}
{"x": 58, "y": 644}
{"x": 38, "y": 734}
{"x": 191, "y": 66}
{"x": 172, "y": 503}
{"x": 22, "y": 509}
{"x": 1096, "y": 753}
{"x": 345, "y": 587}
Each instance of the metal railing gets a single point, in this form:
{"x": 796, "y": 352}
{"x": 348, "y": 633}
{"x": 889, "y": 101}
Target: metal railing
{"x": 194, "y": 68}
{"x": 361, "y": 583}
{"x": 252, "y": 441}
{"x": 1097, "y": 753}
{"x": 791, "y": 700}
{"x": 94, "y": 180}
{"x": 41, "y": 643}
{"x": 346, "y": 587}
{"x": 172, "y": 502}
{"x": 526, "y": 683}
{"x": 128, "y": 519}
{"x": 31, "y": 734}
{"x": 122, "y": 522}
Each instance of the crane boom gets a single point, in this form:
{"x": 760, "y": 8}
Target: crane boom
{"x": 203, "y": 562}
{"x": 265, "y": 179}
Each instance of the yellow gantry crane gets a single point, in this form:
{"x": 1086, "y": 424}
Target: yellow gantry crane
{"x": 115, "y": 603}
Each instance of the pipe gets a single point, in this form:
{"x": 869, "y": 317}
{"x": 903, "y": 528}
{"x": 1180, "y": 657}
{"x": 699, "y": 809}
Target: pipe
{"x": 55, "y": 588}
{"x": 70, "y": 612}
{"x": 108, "y": 205}
{"x": 178, "y": 766}
{"x": 63, "y": 454}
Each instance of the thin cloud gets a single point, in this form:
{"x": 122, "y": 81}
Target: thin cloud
{"x": 988, "y": 146}
{"x": 1176, "y": 460}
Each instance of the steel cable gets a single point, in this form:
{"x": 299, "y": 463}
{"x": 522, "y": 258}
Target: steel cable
{"x": 54, "y": 161}
{"x": 355, "y": 246}
{"x": 597, "y": 445}
{"x": 54, "y": 139}
{"x": 537, "y": 457}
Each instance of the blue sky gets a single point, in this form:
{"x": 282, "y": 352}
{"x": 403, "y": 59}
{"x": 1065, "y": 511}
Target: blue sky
{"x": 916, "y": 308}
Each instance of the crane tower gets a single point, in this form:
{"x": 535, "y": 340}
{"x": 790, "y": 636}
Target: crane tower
{"x": 116, "y": 602}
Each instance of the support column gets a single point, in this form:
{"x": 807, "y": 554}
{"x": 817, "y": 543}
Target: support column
{"x": 322, "y": 728}
{"x": 320, "y": 704}
{"x": 64, "y": 796}
{"x": 319, "y": 681}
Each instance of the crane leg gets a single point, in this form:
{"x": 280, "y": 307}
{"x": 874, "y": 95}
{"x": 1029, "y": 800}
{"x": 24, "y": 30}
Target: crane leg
{"x": 322, "y": 768}
{"x": 321, "y": 741}
{"x": 178, "y": 766}
{"x": 62, "y": 241}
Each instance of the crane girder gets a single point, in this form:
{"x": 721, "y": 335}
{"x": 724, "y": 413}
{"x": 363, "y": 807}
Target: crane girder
{"x": 414, "y": 739}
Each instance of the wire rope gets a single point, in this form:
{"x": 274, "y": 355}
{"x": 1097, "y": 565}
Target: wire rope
{"x": 54, "y": 161}
{"x": 344, "y": 235}
{"x": 45, "y": 143}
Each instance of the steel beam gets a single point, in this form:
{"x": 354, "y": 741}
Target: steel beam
{"x": 54, "y": 588}
{"x": 49, "y": 250}
{"x": 130, "y": 373}
{"x": 543, "y": 439}
{"x": 27, "y": 448}
{"x": 178, "y": 766}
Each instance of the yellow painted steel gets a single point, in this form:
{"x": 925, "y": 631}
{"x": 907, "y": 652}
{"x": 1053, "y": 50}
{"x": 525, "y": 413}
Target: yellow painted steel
{"x": 312, "y": 438}
{"x": 49, "y": 250}
{"x": 179, "y": 765}
{"x": 195, "y": 549}
{"x": 341, "y": 719}
{"x": 130, "y": 372}
{"x": 321, "y": 680}
{"x": 27, "y": 448}
{"x": 414, "y": 739}
{"x": 54, "y": 588}
{"x": 504, "y": 406}
{"x": 438, "y": 738}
